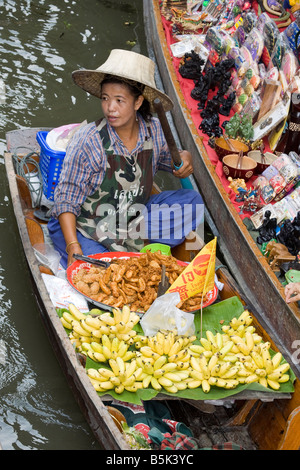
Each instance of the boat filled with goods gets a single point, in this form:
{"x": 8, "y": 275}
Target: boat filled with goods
{"x": 163, "y": 378}
{"x": 232, "y": 71}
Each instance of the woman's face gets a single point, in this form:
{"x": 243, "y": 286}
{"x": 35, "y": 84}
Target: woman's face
{"x": 119, "y": 105}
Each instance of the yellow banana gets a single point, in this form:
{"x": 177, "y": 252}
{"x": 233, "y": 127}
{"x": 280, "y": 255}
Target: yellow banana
{"x": 96, "y": 347}
{"x": 123, "y": 348}
{"x": 194, "y": 384}
{"x": 147, "y": 381}
{"x": 125, "y": 314}
{"x": 169, "y": 367}
{"x": 284, "y": 378}
{"x": 104, "y": 330}
{"x": 132, "y": 366}
{"x": 176, "y": 347}
{"x": 195, "y": 364}
{"x": 148, "y": 368}
{"x": 230, "y": 373}
{"x": 98, "y": 357}
{"x": 205, "y": 386}
{"x": 121, "y": 365}
{"x": 276, "y": 360}
{"x": 165, "y": 382}
{"x": 219, "y": 341}
{"x": 252, "y": 378}
{"x": 263, "y": 382}
{"x": 158, "y": 373}
{"x": 115, "y": 381}
{"x": 78, "y": 329}
{"x": 97, "y": 385}
{"x": 250, "y": 365}
{"x": 268, "y": 365}
{"x": 106, "y": 372}
{"x": 75, "y": 312}
{"x": 107, "y": 319}
{"x": 181, "y": 386}
{"x": 66, "y": 324}
{"x": 195, "y": 375}
{"x": 97, "y": 333}
{"x": 231, "y": 384}
{"x": 119, "y": 389}
{"x": 114, "y": 366}
{"x": 249, "y": 340}
{"x": 173, "y": 377}
{"x": 172, "y": 389}
{"x": 211, "y": 337}
{"x": 158, "y": 347}
{"x": 224, "y": 368}
{"x": 155, "y": 384}
{"x": 148, "y": 352}
{"x": 106, "y": 352}
{"x": 159, "y": 362}
{"x": 226, "y": 349}
{"x": 93, "y": 321}
{"x": 206, "y": 344}
{"x": 260, "y": 372}
{"x": 133, "y": 388}
{"x": 257, "y": 359}
{"x": 128, "y": 356}
{"x": 117, "y": 315}
{"x": 213, "y": 361}
{"x": 107, "y": 385}
{"x": 94, "y": 374}
{"x": 283, "y": 368}
{"x": 68, "y": 317}
{"x": 273, "y": 384}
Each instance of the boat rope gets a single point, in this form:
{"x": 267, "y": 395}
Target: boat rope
{"x": 29, "y": 169}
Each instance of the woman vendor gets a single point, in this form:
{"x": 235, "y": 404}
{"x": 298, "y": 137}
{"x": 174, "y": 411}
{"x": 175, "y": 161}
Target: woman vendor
{"x": 103, "y": 200}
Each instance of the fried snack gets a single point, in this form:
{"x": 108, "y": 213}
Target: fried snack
{"x": 132, "y": 281}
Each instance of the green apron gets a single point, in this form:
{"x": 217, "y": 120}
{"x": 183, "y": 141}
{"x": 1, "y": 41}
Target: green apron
{"x": 111, "y": 215}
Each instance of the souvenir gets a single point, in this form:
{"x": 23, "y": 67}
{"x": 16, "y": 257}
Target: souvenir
{"x": 255, "y": 44}
{"x": 277, "y": 182}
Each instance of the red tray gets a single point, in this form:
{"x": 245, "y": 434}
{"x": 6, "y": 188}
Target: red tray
{"x": 109, "y": 256}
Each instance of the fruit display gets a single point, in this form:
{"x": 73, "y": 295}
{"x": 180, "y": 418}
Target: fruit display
{"x": 168, "y": 362}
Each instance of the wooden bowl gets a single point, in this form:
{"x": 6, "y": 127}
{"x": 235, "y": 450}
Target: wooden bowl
{"x": 222, "y": 148}
{"x": 117, "y": 417}
{"x": 256, "y": 156}
{"x": 246, "y": 170}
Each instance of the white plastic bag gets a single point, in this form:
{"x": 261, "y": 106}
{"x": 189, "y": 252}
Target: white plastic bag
{"x": 164, "y": 315}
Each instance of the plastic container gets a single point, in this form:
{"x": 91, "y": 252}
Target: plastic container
{"x": 50, "y": 165}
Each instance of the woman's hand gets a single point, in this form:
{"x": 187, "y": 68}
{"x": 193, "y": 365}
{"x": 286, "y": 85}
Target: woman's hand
{"x": 187, "y": 165}
{"x": 292, "y": 292}
{"x": 72, "y": 250}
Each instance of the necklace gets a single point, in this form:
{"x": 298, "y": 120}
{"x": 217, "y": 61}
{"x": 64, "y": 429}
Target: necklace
{"x": 132, "y": 161}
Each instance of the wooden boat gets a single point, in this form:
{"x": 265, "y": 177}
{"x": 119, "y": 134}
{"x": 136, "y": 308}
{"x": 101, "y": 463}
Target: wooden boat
{"x": 243, "y": 257}
{"x": 253, "y": 419}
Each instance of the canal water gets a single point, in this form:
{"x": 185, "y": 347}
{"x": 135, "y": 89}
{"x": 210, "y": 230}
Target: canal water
{"x": 41, "y": 43}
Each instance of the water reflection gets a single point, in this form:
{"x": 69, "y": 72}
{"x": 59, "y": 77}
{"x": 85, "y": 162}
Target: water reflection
{"x": 41, "y": 43}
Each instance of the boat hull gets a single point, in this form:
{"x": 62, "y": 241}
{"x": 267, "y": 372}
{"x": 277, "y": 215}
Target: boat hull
{"x": 242, "y": 256}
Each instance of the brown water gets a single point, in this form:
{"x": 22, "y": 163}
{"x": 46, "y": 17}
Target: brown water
{"x": 41, "y": 43}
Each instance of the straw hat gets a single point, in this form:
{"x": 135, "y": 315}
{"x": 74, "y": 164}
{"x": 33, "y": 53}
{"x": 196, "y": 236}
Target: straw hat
{"x": 126, "y": 65}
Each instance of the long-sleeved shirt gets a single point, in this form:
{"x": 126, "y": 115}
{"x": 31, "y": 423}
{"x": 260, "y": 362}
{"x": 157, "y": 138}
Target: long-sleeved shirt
{"x": 84, "y": 164}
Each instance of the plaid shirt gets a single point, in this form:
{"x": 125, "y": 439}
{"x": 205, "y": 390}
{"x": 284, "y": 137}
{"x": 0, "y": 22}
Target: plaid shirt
{"x": 84, "y": 165}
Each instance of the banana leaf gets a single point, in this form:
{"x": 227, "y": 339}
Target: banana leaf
{"x": 213, "y": 317}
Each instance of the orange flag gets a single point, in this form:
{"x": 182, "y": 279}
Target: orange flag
{"x": 199, "y": 275}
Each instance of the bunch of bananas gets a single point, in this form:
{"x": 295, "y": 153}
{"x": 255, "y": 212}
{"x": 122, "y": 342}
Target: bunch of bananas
{"x": 170, "y": 361}
{"x": 100, "y": 335}
{"x": 238, "y": 356}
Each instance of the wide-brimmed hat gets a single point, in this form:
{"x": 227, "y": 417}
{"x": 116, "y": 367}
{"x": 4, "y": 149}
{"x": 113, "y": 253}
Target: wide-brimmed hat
{"x": 125, "y": 65}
